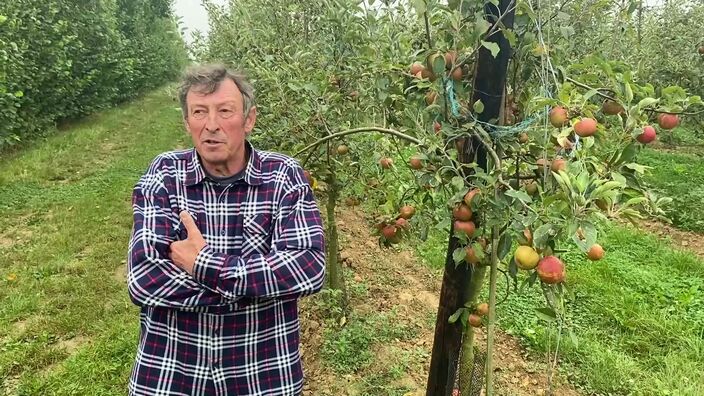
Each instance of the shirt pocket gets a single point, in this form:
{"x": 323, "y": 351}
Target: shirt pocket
{"x": 257, "y": 234}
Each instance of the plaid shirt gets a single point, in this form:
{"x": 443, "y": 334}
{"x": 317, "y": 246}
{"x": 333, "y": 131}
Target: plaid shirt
{"x": 232, "y": 328}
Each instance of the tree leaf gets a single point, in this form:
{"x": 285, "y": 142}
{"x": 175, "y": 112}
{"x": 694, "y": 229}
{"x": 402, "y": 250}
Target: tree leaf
{"x": 478, "y": 106}
{"x": 542, "y": 234}
{"x": 645, "y": 102}
{"x": 478, "y": 251}
{"x": 547, "y": 314}
{"x": 629, "y": 92}
{"x": 504, "y": 247}
{"x": 481, "y": 25}
{"x": 513, "y": 270}
{"x": 637, "y": 167}
{"x": 419, "y": 6}
{"x": 459, "y": 254}
{"x": 453, "y": 318}
{"x": 492, "y": 47}
{"x": 520, "y": 195}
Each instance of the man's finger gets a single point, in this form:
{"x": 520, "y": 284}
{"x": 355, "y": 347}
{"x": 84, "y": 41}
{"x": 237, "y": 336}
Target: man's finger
{"x": 190, "y": 225}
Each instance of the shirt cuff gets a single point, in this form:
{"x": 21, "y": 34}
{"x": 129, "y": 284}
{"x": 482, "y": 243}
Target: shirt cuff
{"x": 207, "y": 268}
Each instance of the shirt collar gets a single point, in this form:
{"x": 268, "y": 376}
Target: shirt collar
{"x": 252, "y": 173}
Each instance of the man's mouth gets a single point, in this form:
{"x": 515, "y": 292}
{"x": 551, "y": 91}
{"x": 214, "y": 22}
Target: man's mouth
{"x": 212, "y": 142}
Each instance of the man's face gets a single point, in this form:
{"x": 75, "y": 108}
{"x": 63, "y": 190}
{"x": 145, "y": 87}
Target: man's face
{"x": 218, "y": 125}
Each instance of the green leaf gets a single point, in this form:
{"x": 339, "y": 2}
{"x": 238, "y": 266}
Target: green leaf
{"x": 589, "y": 233}
{"x": 634, "y": 201}
{"x": 520, "y": 195}
{"x": 478, "y": 106}
{"x": 438, "y": 65}
{"x": 543, "y": 233}
{"x": 19, "y": 94}
{"x": 510, "y": 36}
{"x": 637, "y": 167}
{"x": 619, "y": 178}
{"x": 504, "y": 247}
{"x": 513, "y": 270}
{"x": 457, "y": 182}
{"x": 582, "y": 181}
{"x": 481, "y": 25}
{"x": 478, "y": 251}
{"x": 420, "y": 7}
{"x": 453, "y": 318}
{"x": 628, "y": 153}
{"x": 547, "y": 314}
{"x": 3, "y": 18}
{"x": 629, "y": 92}
{"x": 459, "y": 254}
{"x": 492, "y": 47}
{"x": 647, "y": 102}
{"x": 589, "y": 94}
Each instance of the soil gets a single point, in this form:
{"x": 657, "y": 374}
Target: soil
{"x": 688, "y": 240}
{"x": 398, "y": 280}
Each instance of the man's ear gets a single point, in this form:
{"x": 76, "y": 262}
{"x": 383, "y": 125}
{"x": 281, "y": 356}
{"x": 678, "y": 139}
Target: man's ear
{"x": 250, "y": 120}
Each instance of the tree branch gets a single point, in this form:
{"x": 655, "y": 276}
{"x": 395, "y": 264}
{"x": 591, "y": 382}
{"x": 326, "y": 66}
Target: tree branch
{"x": 359, "y": 130}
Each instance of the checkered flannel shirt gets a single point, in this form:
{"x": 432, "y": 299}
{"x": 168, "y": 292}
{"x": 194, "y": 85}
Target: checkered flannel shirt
{"x": 232, "y": 328}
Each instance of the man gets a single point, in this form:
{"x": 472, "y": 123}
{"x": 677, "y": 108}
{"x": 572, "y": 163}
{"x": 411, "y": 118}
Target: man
{"x": 225, "y": 240}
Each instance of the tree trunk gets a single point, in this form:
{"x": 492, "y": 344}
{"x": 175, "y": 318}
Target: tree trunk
{"x": 490, "y": 79}
{"x": 336, "y": 279}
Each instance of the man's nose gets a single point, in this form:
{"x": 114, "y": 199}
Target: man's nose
{"x": 211, "y": 122}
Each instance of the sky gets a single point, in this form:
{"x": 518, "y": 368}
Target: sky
{"x": 193, "y": 15}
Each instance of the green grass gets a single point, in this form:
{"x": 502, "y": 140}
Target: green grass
{"x": 65, "y": 220}
{"x": 681, "y": 177}
{"x": 638, "y": 317}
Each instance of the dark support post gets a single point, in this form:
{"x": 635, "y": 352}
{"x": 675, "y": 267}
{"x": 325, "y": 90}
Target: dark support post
{"x": 490, "y": 79}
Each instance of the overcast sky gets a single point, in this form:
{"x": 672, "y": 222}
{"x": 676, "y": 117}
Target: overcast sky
{"x": 193, "y": 15}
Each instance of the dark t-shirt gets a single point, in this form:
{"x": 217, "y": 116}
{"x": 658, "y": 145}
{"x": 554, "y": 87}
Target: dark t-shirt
{"x": 223, "y": 181}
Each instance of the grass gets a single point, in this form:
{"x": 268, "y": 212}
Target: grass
{"x": 65, "y": 217}
{"x": 638, "y": 316}
{"x": 681, "y": 177}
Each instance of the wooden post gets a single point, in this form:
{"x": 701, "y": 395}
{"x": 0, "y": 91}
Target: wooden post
{"x": 490, "y": 79}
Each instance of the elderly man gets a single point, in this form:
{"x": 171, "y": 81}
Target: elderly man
{"x": 225, "y": 240}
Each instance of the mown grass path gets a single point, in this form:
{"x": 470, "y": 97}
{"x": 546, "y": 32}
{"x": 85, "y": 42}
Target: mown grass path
{"x": 66, "y": 323}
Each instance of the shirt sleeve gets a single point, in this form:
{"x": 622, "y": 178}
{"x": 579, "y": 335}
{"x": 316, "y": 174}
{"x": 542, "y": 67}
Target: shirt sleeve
{"x": 294, "y": 267}
{"x": 153, "y": 279}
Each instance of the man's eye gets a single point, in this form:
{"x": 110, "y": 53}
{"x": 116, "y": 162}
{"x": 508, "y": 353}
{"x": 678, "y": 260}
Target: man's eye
{"x": 226, "y": 113}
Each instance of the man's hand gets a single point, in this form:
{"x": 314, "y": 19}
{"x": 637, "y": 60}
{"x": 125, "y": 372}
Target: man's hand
{"x": 184, "y": 253}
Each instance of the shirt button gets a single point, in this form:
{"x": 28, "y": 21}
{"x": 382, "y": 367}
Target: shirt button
{"x": 223, "y": 232}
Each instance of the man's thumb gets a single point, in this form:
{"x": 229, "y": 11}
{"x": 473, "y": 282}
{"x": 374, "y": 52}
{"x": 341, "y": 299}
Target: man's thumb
{"x": 188, "y": 222}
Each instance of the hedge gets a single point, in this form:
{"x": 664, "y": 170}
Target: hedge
{"x": 62, "y": 59}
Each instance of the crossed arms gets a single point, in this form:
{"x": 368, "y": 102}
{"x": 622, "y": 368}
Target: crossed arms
{"x": 185, "y": 274}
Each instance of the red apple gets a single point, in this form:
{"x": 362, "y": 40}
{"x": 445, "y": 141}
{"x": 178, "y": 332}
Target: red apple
{"x": 558, "y": 116}
{"x": 668, "y": 121}
{"x": 551, "y": 270}
{"x": 585, "y": 127}
{"x": 647, "y": 136}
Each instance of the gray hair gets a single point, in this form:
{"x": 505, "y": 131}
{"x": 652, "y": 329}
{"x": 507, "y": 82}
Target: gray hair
{"x": 205, "y": 79}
